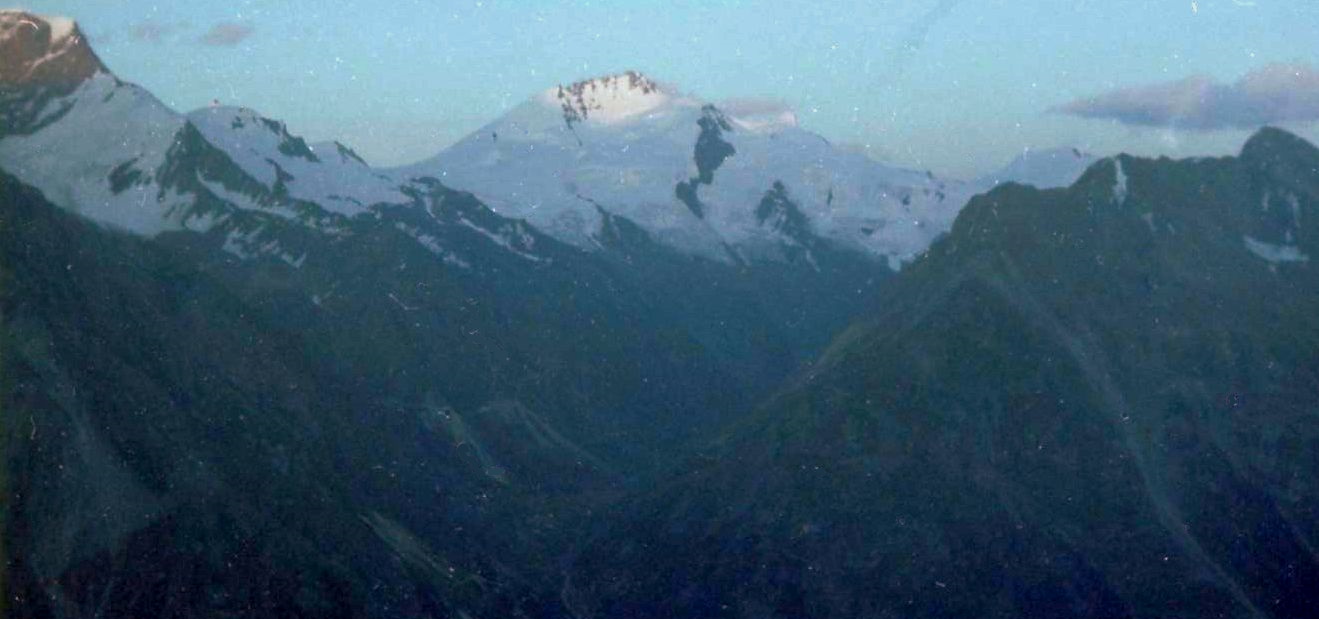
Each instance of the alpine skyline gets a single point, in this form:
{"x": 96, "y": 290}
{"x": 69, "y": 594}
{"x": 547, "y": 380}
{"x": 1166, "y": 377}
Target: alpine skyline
{"x": 917, "y": 84}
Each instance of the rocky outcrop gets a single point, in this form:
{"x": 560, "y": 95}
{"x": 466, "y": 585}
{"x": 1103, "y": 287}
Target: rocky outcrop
{"x": 43, "y": 52}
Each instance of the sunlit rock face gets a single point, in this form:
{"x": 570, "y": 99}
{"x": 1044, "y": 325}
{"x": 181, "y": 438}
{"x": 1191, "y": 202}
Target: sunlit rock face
{"x": 608, "y": 99}
{"x": 44, "y": 52}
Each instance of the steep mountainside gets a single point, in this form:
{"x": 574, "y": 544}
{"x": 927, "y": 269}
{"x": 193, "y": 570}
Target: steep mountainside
{"x": 244, "y": 184}
{"x": 373, "y": 401}
{"x": 173, "y": 449}
{"x": 233, "y": 386}
{"x": 579, "y": 365}
{"x": 1091, "y": 402}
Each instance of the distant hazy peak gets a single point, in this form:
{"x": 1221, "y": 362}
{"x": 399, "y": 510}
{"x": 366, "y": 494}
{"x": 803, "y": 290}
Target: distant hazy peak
{"x": 1044, "y": 168}
{"x": 43, "y": 51}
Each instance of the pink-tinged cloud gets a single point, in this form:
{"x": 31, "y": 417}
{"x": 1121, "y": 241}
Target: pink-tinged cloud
{"x": 227, "y": 34}
{"x": 1273, "y": 94}
{"x": 151, "y": 32}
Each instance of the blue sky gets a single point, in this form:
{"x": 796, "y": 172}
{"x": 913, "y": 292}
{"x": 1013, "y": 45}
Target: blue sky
{"x": 957, "y": 86}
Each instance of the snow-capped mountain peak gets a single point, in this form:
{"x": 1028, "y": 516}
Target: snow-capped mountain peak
{"x": 690, "y": 173}
{"x": 237, "y": 123}
{"x": 609, "y": 99}
{"x": 112, "y": 152}
{"x": 42, "y": 51}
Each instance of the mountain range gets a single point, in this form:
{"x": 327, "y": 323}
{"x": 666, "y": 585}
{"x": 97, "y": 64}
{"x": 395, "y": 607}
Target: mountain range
{"x": 1096, "y": 401}
{"x": 627, "y": 352}
{"x": 693, "y": 176}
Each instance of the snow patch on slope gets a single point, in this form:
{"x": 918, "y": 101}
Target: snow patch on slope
{"x": 1275, "y": 254}
{"x": 432, "y": 244}
{"x": 60, "y": 27}
{"x": 108, "y": 125}
{"x": 512, "y": 237}
{"x": 1119, "y": 182}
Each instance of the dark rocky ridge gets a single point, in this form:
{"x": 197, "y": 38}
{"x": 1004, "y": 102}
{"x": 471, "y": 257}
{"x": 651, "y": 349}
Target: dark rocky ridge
{"x": 1080, "y": 403}
{"x": 711, "y": 151}
{"x": 403, "y": 396}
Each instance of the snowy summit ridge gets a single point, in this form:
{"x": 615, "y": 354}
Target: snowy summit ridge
{"x": 608, "y": 99}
